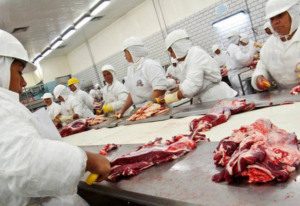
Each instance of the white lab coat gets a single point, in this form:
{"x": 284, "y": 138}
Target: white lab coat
{"x": 238, "y": 62}
{"x": 32, "y": 165}
{"x": 86, "y": 102}
{"x": 71, "y": 106}
{"x": 221, "y": 59}
{"x": 278, "y": 61}
{"x": 144, "y": 79}
{"x": 99, "y": 93}
{"x": 248, "y": 47}
{"x": 53, "y": 110}
{"x": 115, "y": 94}
{"x": 175, "y": 72}
{"x": 201, "y": 76}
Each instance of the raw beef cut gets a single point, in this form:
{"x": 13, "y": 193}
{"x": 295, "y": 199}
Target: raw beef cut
{"x": 260, "y": 152}
{"x": 147, "y": 110}
{"x": 108, "y": 148}
{"x": 74, "y": 127}
{"x": 295, "y": 90}
{"x": 150, "y": 154}
{"x": 97, "y": 119}
{"x": 219, "y": 114}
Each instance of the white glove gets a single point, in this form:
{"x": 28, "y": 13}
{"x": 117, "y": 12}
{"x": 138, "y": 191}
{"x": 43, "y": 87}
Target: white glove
{"x": 170, "y": 98}
{"x": 65, "y": 118}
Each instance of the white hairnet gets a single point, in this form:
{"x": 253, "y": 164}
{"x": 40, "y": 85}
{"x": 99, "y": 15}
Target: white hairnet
{"x": 267, "y": 25}
{"x": 175, "y": 36}
{"x": 234, "y": 39}
{"x": 110, "y": 69}
{"x": 214, "y": 48}
{"x": 181, "y": 47}
{"x": 65, "y": 93}
{"x": 77, "y": 85}
{"x": 294, "y": 13}
{"x": 96, "y": 86}
{"x": 5, "y": 65}
{"x": 137, "y": 52}
{"x": 233, "y": 33}
{"x": 173, "y": 60}
{"x": 244, "y": 38}
{"x": 47, "y": 96}
{"x": 93, "y": 93}
{"x": 61, "y": 90}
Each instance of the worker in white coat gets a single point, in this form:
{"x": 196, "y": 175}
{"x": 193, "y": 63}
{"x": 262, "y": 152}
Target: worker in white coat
{"x": 53, "y": 108}
{"x": 71, "y": 108}
{"x": 145, "y": 77}
{"x": 220, "y": 56}
{"x": 280, "y": 56}
{"x": 84, "y": 98}
{"x": 173, "y": 74}
{"x": 201, "y": 74}
{"x": 98, "y": 91}
{"x": 268, "y": 28}
{"x": 246, "y": 44}
{"x": 238, "y": 62}
{"x": 114, "y": 93}
{"x": 94, "y": 95}
{"x": 34, "y": 169}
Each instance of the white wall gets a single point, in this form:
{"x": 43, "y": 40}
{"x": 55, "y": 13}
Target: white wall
{"x": 31, "y": 78}
{"x": 55, "y": 67}
{"x": 79, "y": 59}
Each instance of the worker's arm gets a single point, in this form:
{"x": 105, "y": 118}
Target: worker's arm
{"x": 98, "y": 164}
{"x": 126, "y": 105}
{"x": 157, "y": 93}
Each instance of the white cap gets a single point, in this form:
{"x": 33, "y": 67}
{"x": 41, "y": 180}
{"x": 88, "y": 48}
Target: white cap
{"x": 214, "y": 48}
{"x": 132, "y": 41}
{"x": 12, "y": 47}
{"x": 267, "y": 25}
{"x": 175, "y": 36}
{"x": 275, "y": 7}
{"x": 108, "y": 67}
{"x": 58, "y": 89}
{"x": 47, "y": 96}
{"x": 233, "y": 33}
{"x": 244, "y": 38}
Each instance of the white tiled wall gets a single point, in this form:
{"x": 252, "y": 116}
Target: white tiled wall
{"x": 199, "y": 27}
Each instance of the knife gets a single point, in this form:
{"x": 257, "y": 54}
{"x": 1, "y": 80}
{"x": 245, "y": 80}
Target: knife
{"x": 155, "y": 100}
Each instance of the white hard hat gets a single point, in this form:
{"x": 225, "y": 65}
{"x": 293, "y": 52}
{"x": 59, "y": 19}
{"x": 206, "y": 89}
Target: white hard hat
{"x": 175, "y": 36}
{"x": 244, "y": 38}
{"x": 47, "y": 96}
{"x": 58, "y": 89}
{"x": 108, "y": 67}
{"x": 132, "y": 41}
{"x": 275, "y": 7}
{"x": 214, "y": 48}
{"x": 11, "y": 47}
{"x": 233, "y": 33}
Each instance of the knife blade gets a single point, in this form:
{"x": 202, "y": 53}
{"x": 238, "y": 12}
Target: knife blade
{"x": 155, "y": 100}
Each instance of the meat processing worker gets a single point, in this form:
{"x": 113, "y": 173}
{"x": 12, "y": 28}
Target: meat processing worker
{"x": 238, "y": 62}
{"x": 247, "y": 44}
{"x": 114, "y": 93}
{"x": 53, "y": 108}
{"x": 268, "y": 28}
{"x": 98, "y": 90}
{"x": 220, "y": 57}
{"x": 200, "y": 72}
{"x": 70, "y": 106}
{"x": 84, "y": 98}
{"x": 280, "y": 56}
{"x": 94, "y": 95}
{"x": 34, "y": 169}
{"x": 173, "y": 74}
{"x": 145, "y": 77}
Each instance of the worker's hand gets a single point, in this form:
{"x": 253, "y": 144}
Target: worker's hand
{"x": 98, "y": 164}
{"x": 107, "y": 108}
{"x": 258, "y": 45}
{"x": 224, "y": 71}
{"x": 262, "y": 83}
{"x": 65, "y": 118}
{"x": 118, "y": 114}
{"x": 170, "y": 98}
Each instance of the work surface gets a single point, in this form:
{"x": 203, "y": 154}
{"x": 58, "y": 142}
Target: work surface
{"x": 187, "y": 181}
{"x": 284, "y": 116}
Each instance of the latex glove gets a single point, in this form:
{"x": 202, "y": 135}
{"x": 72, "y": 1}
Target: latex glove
{"x": 65, "y": 118}
{"x": 170, "y": 98}
{"x": 107, "y": 108}
{"x": 262, "y": 83}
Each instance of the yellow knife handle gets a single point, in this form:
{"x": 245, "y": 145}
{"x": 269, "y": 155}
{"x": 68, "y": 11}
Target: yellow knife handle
{"x": 157, "y": 100}
{"x": 91, "y": 178}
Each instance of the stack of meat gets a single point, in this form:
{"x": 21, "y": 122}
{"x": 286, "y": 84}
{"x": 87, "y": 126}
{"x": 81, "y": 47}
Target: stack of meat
{"x": 260, "y": 152}
{"x": 74, "y": 127}
{"x": 148, "y": 110}
{"x": 97, "y": 119}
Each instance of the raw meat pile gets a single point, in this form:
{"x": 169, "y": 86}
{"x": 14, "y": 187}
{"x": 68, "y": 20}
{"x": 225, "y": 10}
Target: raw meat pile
{"x": 97, "y": 119}
{"x": 74, "y": 127}
{"x": 108, "y": 148}
{"x": 295, "y": 90}
{"x": 148, "y": 110}
{"x": 260, "y": 152}
{"x": 153, "y": 153}
{"x": 219, "y": 114}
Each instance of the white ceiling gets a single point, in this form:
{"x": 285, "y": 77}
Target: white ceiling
{"x": 48, "y": 19}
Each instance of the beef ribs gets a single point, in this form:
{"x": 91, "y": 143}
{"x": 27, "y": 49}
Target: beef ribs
{"x": 74, "y": 127}
{"x": 260, "y": 152}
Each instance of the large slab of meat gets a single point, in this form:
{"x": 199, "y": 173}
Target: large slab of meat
{"x": 260, "y": 152}
{"x": 147, "y": 110}
{"x": 108, "y": 148}
{"x": 74, "y": 127}
{"x": 97, "y": 119}
{"x": 219, "y": 114}
{"x": 152, "y": 153}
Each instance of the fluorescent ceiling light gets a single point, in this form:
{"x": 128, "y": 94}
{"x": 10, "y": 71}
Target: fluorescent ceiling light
{"x": 69, "y": 33}
{"x": 229, "y": 21}
{"x": 56, "y": 43}
{"x": 46, "y": 52}
{"x": 37, "y": 59}
{"x": 82, "y": 22}
{"x": 100, "y": 7}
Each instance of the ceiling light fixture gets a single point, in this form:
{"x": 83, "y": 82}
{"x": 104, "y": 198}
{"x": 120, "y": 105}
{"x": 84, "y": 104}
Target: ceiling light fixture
{"x": 99, "y": 7}
{"x": 229, "y": 21}
{"x": 46, "y": 52}
{"x": 69, "y": 32}
{"x": 56, "y": 43}
{"x": 37, "y": 59}
{"x": 82, "y": 21}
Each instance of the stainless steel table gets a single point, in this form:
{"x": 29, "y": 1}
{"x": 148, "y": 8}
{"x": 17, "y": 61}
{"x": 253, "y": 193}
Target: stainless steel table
{"x": 187, "y": 181}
